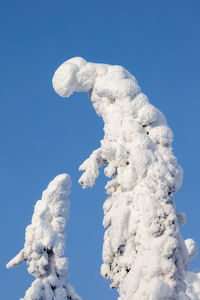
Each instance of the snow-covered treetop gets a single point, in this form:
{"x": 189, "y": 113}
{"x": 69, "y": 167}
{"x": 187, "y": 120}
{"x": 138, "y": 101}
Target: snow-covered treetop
{"x": 144, "y": 254}
{"x": 45, "y": 244}
{"x": 78, "y": 75}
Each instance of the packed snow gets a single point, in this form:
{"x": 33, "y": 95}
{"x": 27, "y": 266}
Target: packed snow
{"x": 144, "y": 255}
{"x": 45, "y": 245}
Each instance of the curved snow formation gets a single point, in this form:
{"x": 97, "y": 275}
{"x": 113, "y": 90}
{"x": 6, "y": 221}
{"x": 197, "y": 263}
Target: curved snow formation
{"x": 144, "y": 254}
{"x": 45, "y": 245}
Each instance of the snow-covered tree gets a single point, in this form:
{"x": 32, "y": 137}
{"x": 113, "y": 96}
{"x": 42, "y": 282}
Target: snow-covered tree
{"x": 45, "y": 245}
{"x": 144, "y": 254}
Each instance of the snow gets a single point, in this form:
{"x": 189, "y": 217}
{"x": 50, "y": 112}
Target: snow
{"x": 45, "y": 244}
{"x": 193, "y": 285}
{"x": 144, "y": 255}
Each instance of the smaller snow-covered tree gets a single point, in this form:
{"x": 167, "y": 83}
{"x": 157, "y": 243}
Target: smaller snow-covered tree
{"x": 45, "y": 245}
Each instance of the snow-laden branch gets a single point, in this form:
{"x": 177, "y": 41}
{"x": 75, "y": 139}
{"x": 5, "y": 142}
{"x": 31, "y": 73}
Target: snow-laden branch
{"x": 144, "y": 254}
{"x": 45, "y": 245}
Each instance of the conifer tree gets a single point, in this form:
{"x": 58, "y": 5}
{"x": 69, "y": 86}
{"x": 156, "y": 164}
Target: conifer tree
{"x": 45, "y": 245}
{"x": 144, "y": 254}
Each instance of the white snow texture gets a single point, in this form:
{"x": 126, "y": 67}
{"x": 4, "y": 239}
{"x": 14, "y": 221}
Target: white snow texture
{"x": 144, "y": 254}
{"x": 45, "y": 245}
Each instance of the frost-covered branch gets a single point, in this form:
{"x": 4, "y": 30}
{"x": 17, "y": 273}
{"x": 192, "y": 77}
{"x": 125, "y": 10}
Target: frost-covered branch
{"x": 45, "y": 245}
{"x": 91, "y": 169}
{"x": 144, "y": 254}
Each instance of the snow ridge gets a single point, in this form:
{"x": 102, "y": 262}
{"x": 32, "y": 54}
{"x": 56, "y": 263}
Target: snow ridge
{"x": 45, "y": 245}
{"x": 144, "y": 254}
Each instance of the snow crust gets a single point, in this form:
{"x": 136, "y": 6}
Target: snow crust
{"x": 45, "y": 245}
{"x": 144, "y": 255}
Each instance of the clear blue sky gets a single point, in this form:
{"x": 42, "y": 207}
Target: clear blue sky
{"x": 43, "y": 135}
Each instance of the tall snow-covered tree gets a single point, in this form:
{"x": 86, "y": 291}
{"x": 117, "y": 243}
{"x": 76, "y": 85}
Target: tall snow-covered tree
{"x": 144, "y": 255}
{"x": 45, "y": 245}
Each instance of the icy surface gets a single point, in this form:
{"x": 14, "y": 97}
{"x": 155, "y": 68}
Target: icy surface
{"x": 45, "y": 245}
{"x": 144, "y": 254}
